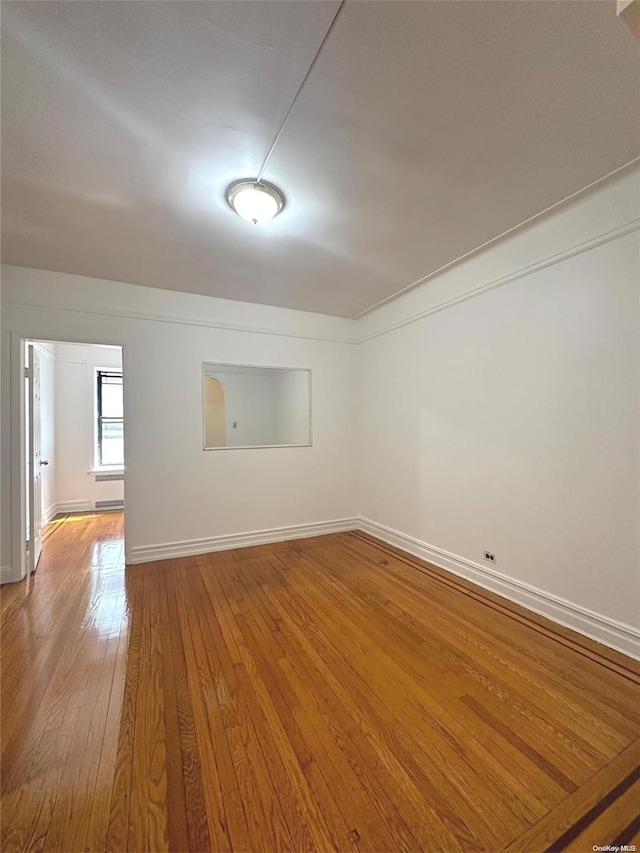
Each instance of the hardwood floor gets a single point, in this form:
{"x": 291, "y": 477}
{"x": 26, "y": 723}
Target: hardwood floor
{"x": 323, "y": 694}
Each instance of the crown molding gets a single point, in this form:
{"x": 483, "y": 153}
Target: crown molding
{"x": 123, "y": 313}
{"x": 497, "y": 238}
{"x": 550, "y": 261}
{"x": 354, "y": 337}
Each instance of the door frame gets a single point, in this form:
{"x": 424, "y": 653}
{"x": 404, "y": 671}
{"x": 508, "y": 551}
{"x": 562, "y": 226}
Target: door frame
{"x": 18, "y": 452}
{"x": 34, "y": 483}
{"x": 17, "y": 444}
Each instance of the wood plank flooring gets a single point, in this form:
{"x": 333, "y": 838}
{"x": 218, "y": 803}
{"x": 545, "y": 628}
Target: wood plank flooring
{"x": 323, "y": 694}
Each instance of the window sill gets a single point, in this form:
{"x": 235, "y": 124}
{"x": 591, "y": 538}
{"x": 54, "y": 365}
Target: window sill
{"x": 107, "y": 469}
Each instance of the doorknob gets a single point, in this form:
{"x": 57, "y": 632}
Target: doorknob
{"x": 44, "y": 461}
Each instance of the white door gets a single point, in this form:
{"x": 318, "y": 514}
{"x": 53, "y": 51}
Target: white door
{"x": 35, "y": 461}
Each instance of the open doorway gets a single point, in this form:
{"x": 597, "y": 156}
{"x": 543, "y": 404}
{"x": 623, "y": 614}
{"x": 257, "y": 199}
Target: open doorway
{"x": 74, "y": 442}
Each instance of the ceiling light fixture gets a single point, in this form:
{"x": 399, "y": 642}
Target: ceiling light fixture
{"x": 255, "y": 201}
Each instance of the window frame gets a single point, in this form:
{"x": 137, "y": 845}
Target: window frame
{"x": 99, "y": 418}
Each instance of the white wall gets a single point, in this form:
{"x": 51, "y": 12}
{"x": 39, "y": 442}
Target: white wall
{"x": 293, "y": 407}
{"x": 75, "y": 366}
{"x": 250, "y": 403}
{"x": 175, "y": 491}
{"x": 498, "y": 406}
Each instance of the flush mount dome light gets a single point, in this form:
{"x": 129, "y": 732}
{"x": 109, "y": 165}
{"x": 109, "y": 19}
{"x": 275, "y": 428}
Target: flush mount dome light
{"x": 255, "y": 201}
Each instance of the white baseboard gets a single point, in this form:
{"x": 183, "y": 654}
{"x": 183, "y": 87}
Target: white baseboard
{"x": 191, "y": 547}
{"x": 6, "y": 574}
{"x": 617, "y": 635}
{"x": 50, "y": 513}
{"x": 73, "y": 506}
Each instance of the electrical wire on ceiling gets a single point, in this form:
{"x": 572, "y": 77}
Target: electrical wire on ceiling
{"x": 300, "y": 88}
{"x": 254, "y": 199}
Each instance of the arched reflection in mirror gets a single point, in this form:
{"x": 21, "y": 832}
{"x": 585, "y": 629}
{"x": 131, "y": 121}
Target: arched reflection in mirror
{"x": 214, "y": 413}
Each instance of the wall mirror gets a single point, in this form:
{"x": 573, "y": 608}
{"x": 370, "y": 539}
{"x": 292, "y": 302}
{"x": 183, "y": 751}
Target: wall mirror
{"x": 252, "y": 406}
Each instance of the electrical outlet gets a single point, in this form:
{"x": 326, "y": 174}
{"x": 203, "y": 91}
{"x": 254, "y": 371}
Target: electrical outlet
{"x": 489, "y": 556}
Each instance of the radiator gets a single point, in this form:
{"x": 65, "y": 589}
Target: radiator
{"x": 109, "y": 504}
{"x": 107, "y": 490}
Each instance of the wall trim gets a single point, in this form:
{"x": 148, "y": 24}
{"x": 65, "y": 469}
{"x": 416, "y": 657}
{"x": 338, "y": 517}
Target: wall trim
{"x": 73, "y": 506}
{"x": 6, "y": 574}
{"x": 617, "y": 635}
{"x": 185, "y": 321}
{"x": 50, "y": 513}
{"x": 540, "y": 215}
{"x": 542, "y": 264}
{"x": 37, "y": 345}
{"x": 537, "y": 266}
{"x": 192, "y": 547}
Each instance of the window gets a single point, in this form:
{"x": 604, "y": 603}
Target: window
{"x": 110, "y": 422}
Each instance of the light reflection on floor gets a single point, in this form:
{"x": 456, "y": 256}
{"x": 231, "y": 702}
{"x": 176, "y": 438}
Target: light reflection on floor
{"x": 103, "y": 563}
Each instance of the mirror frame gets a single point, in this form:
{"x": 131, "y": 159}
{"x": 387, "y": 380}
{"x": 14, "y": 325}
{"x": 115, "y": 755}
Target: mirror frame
{"x": 308, "y": 370}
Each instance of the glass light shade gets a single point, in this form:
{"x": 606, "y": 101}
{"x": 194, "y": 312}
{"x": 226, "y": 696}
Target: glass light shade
{"x": 255, "y": 202}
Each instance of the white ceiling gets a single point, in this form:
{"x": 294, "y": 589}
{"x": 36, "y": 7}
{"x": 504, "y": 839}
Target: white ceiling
{"x": 425, "y": 130}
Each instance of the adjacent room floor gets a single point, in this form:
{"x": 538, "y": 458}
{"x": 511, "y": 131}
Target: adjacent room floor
{"x": 322, "y": 694}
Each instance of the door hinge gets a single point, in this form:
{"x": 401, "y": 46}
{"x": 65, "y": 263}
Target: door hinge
{"x": 27, "y": 373}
